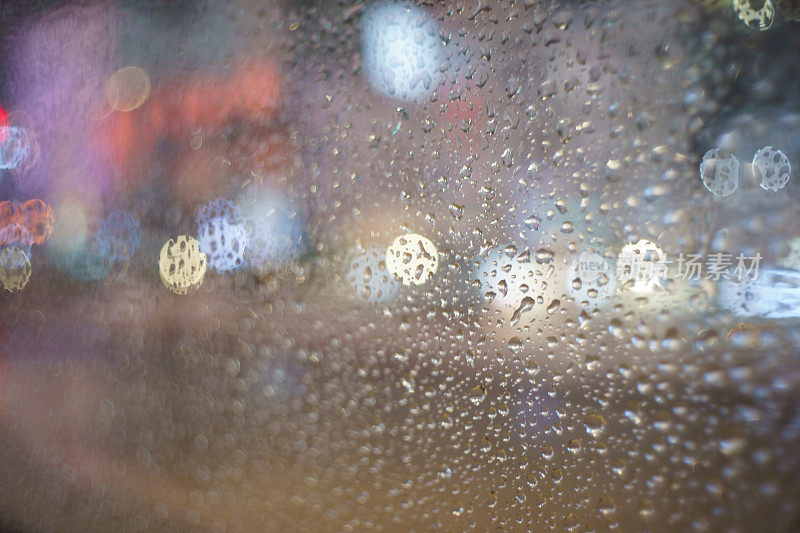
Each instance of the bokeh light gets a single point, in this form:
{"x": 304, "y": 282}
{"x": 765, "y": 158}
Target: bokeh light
{"x": 402, "y": 51}
{"x": 591, "y": 281}
{"x": 17, "y": 235}
{"x": 224, "y": 242}
{"x": 15, "y": 268}
{"x": 516, "y": 287}
{"x": 38, "y": 219}
{"x": 720, "y": 172}
{"x": 181, "y": 264}
{"x": 105, "y": 257}
{"x": 757, "y": 15}
{"x": 772, "y": 167}
{"x": 127, "y": 89}
{"x": 413, "y": 259}
{"x": 218, "y": 208}
{"x": 640, "y": 266}
{"x": 15, "y": 147}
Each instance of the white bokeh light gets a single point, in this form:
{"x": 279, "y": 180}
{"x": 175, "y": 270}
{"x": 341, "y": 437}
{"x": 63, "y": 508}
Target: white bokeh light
{"x": 413, "y": 259}
{"x": 224, "y": 242}
{"x": 402, "y": 51}
{"x": 640, "y": 266}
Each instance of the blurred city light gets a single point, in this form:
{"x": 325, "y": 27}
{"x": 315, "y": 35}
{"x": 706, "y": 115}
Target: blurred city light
{"x": 181, "y": 264}
{"x": 402, "y": 50}
{"x": 413, "y": 259}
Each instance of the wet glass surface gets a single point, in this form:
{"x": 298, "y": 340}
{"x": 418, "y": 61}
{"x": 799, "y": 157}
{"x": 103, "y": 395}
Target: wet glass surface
{"x": 400, "y": 266}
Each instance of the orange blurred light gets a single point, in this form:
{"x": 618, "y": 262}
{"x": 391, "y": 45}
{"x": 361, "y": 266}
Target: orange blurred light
{"x": 37, "y": 217}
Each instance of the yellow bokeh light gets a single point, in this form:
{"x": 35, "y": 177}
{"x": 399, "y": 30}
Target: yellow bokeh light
{"x": 127, "y": 88}
{"x": 181, "y": 264}
{"x": 15, "y": 269}
{"x": 412, "y": 258}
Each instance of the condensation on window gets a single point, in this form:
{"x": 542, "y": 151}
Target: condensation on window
{"x": 519, "y": 265}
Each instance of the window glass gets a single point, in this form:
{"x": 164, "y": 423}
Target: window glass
{"x": 384, "y": 265}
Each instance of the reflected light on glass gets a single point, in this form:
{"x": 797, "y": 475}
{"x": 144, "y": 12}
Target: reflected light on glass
{"x": 518, "y": 288}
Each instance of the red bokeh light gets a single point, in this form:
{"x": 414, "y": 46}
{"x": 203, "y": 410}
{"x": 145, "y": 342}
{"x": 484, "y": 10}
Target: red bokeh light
{"x": 3, "y": 123}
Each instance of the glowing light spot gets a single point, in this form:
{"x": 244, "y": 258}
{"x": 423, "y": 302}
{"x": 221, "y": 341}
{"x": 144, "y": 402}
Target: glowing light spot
{"x": 413, "y": 259}
{"x": 720, "y": 172}
{"x": 15, "y": 268}
{"x": 127, "y": 88}
{"x": 772, "y": 167}
{"x": 16, "y": 234}
{"x": 224, "y": 242}
{"x": 8, "y": 213}
{"x": 181, "y": 264}
{"x": 3, "y": 122}
{"x": 503, "y": 281}
{"x": 640, "y": 266}
{"x": 516, "y": 287}
{"x": 402, "y": 51}
{"x": 760, "y": 18}
{"x": 8, "y": 221}
{"x": 31, "y": 154}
